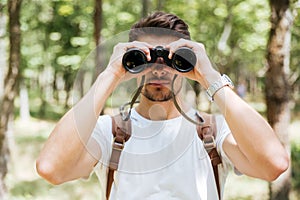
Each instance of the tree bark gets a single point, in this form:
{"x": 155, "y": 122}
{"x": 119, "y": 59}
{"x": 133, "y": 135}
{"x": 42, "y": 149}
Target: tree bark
{"x": 145, "y": 7}
{"x": 3, "y": 66}
{"x": 277, "y": 85}
{"x": 3, "y": 46}
{"x": 42, "y": 87}
{"x": 10, "y": 87}
{"x": 97, "y": 35}
{"x": 160, "y": 5}
{"x": 197, "y": 88}
{"x": 24, "y": 103}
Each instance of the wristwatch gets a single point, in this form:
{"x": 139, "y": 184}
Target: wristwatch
{"x": 217, "y": 85}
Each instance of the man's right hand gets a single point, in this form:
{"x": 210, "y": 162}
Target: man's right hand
{"x": 115, "y": 66}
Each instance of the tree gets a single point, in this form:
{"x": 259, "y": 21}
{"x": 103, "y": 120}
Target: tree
{"x": 277, "y": 88}
{"x": 160, "y": 4}
{"x": 97, "y": 34}
{"x": 10, "y": 86}
{"x": 3, "y": 46}
{"x": 145, "y": 8}
{"x": 3, "y": 66}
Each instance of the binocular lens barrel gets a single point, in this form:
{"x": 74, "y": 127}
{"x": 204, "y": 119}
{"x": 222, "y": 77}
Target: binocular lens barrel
{"x": 183, "y": 60}
{"x": 134, "y": 60}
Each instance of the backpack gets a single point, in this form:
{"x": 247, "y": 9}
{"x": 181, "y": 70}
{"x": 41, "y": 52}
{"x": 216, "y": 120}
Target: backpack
{"x": 122, "y": 132}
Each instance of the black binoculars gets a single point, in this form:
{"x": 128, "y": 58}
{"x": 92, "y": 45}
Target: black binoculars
{"x": 183, "y": 60}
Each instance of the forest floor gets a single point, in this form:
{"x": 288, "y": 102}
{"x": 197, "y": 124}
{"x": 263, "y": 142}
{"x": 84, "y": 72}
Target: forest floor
{"x": 24, "y": 184}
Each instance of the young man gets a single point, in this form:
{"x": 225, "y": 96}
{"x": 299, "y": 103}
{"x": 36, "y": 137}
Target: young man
{"x": 164, "y": 157}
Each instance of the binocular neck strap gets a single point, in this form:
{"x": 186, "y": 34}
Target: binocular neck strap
{"x": 134, "y": 98}
{"x": 178, "y": 107}
{"x": 138, "y": 91}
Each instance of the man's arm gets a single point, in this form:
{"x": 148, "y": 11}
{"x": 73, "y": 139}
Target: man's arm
{"x": 70, "y": 152}
{"x": 253, "y": 146}
{"x": 67, "y": 153}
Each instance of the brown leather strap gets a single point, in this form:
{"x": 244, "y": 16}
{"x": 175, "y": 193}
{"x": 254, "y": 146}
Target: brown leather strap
{"x": 216, "y": 174}
{"x": 207, "y": 133}
{"x": 110, "y": 180}
{"x": 121, "y": 131}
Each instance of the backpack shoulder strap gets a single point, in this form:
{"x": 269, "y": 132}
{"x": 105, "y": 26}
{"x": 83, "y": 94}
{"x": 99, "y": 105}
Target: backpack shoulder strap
{"x": 121, "y": 131}
{"x": 207, "y": 133}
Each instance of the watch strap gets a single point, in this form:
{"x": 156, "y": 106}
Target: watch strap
{"x": 217, "y": 85}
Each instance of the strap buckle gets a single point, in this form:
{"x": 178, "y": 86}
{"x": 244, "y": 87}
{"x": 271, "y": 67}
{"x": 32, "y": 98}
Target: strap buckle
{"x": 117, "y": 148}
{"x": 117, "y": 145}
{"x": 209, "y": 143}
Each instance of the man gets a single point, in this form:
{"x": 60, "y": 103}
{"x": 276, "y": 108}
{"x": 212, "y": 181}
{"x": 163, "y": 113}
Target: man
{"x": 164, "y": 158}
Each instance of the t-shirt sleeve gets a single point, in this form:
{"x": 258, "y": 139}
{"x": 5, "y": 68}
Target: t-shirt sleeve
{"x": 223, "y": 131}
{"x": 102, "y": 133}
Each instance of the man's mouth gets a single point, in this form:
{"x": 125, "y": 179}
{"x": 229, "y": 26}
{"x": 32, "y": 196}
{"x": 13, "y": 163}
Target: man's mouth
{"x": 158, "y": 82}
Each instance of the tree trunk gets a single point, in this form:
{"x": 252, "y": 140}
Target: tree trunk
{"x": 160, "y": 5}
{"x": 42, "y": 88}
{"x": 3, "y": 66}
{"x": 97, "y": 35}
{"x": 277, "y": 85}
{"x": 145, "y": 7}
{"x": 197, "y": 88}
{"x": 3, "y": 46}
{"x": 24, "y": 103}
{"x": 10, "y": 87}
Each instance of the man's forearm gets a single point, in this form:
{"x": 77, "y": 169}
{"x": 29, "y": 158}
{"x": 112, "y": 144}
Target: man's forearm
{"x": 254, "y": 136}
{"x": 67, "y": 142}
{"x": 88, "y": 109}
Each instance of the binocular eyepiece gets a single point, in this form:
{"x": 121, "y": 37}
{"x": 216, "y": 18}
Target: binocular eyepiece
{"x": 183, "y": 60}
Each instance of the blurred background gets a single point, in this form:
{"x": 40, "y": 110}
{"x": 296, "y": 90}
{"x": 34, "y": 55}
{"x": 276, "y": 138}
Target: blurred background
{"x": 48, "y": 59}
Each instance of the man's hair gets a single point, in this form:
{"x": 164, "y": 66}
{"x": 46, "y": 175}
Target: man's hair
{"x": 160, "y": 23}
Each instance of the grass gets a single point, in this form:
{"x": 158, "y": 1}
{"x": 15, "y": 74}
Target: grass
{"x": 24, "y": 183}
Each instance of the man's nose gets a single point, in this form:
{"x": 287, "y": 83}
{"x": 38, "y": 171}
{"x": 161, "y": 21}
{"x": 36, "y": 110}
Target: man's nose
{"x": 159, "y": 67}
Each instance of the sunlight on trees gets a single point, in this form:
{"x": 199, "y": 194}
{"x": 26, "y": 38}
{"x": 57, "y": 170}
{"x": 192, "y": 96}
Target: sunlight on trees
{"x": 56, "y": 66}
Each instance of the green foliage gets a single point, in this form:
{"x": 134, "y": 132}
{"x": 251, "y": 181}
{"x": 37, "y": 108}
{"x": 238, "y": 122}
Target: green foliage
{"x": 244, "y": 48}
{"x": 295, "y": 47}
{"x": 296, "y": 166}
{"x": 119, "y": 16}
{"x": 57, "y": 36}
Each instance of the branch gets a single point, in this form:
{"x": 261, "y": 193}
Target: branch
{"x": 294, "y": 78}
{"x": 225, "y": 35}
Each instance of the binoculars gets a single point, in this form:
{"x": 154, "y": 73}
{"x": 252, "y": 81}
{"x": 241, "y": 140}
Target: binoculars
{"x": 135, "y": 60}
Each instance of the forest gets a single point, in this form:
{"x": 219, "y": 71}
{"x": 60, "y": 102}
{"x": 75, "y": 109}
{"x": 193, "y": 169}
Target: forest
{"x": 52, "y": 51}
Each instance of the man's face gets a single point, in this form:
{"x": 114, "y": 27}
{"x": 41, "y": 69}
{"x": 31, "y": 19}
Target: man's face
{"x": 158, "y": 81}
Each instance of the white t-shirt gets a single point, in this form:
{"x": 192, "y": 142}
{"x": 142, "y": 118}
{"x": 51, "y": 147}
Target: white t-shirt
{"x": 161, "y": 160}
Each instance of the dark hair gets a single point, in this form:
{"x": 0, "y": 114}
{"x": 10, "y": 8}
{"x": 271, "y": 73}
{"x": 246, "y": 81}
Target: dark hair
{"x": 160, "y": 23}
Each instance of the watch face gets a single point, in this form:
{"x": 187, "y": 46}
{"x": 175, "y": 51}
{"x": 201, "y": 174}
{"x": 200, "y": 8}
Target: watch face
{"x": 227, "y": 80}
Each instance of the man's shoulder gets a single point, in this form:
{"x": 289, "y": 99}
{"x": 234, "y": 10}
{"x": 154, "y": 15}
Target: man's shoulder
{"x": 103, "y": 124}
{"x": 104, "y": 118}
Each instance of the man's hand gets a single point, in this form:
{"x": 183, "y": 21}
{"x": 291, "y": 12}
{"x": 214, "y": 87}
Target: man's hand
{"x": 115, "y": 66}
{"x": 203, "y": 71}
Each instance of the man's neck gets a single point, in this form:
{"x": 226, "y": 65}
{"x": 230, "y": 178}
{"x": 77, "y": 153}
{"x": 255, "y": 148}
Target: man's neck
{"x": 154, "y": 110}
